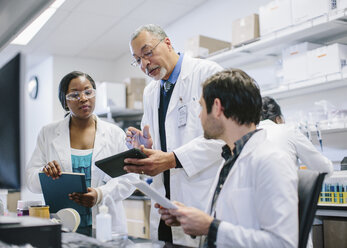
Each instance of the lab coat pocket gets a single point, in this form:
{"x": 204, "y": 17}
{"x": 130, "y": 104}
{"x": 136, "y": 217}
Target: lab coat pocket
{"x": 242, "y": 204}
{"x": 193, "y": 112}
{"x": 196, "y": 189}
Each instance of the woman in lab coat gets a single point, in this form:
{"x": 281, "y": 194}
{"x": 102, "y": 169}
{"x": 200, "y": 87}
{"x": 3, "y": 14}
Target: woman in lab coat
{"x": 74, "y": 144}
{"x": 290, "y": 140}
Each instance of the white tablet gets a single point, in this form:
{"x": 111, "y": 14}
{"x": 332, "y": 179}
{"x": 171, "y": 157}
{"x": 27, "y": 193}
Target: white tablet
{"x": 153, "y": 194}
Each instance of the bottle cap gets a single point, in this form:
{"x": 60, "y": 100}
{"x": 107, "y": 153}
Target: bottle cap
{"x": 103, "y": 209}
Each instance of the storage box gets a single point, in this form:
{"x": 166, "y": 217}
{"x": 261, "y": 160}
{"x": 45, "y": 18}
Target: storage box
{"x": 295, "y": 63}
{"x": 303, "y": 10}
{"x": 246, "y": 29}
{"x": 326, "y": 60}
{"x": 202, "y": 46}
{"x": 134, "y": 90}
{"x": 109, "y": 94}
{"x": 274, "y": 16}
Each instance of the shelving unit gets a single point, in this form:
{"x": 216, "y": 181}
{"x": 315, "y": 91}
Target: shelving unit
{"x": 324, "y": 30}
{"x": 308, "y": 86}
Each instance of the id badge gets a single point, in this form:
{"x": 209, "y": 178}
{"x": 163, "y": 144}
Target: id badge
{"x": 182, "y": 116}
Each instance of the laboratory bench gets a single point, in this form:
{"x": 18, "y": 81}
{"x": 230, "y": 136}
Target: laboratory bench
{"x": 42, "y": 233}
{"x": 330, "y": 226}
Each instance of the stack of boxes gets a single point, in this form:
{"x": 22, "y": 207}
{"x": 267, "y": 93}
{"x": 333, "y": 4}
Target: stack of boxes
{"x": 295, "y": 62}
{"x": 308, "y": 61}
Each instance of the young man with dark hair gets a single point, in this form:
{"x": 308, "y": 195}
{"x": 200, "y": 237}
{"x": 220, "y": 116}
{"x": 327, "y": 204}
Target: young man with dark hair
{"x": 254, "y": 200}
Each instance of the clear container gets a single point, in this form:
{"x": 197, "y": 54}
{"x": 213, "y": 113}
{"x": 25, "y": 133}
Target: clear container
{"x": 23, "y": 207}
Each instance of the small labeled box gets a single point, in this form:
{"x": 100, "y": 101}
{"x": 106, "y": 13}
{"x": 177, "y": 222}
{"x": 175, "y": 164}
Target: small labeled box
{"x": 134, "y": 90}
{"x": 274, "y": 16}
{"x": 326, "y": 60}
{"x": 202, "y": 46}
{"x": 303, "y": 10}
{"x": 245, "y": 30}
{"x": 295, "y": 63}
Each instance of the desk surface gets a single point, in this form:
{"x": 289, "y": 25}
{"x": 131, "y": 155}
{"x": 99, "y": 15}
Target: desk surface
{"x": 72, "y": 240}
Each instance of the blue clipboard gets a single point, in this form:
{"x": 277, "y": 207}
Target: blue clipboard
{"x": 56, "y": 192}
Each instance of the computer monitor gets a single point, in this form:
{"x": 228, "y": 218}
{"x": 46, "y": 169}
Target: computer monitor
{"x": 10, "y": 124}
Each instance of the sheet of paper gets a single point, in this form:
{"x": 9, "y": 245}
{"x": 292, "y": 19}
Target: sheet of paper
{"x": 154, "y": 195}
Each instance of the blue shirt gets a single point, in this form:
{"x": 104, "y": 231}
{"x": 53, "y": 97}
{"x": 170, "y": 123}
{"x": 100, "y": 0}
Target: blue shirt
{"x": 164, "y": 231}
{"x": 175, "y": 73}
{"x": 82, "y": 164}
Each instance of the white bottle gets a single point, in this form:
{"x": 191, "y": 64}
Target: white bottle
{"x": 103, "y": 224}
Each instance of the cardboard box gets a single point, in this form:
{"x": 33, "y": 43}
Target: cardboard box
{"x": 245, "y": 30}
{"x": 202, "y": 46}
{"x": 274, "y": 16}
{"x": 326, "y": 60}
{"x": 303, "y": 10}
{"x": 134, "y": 92}
{"x": 295, "y": 63}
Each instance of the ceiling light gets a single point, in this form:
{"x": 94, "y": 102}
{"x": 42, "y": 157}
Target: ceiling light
{"x": 29, "y": 32}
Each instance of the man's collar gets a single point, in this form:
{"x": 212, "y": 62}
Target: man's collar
{"x": 176, "y": 71}
{"x": 239, "y": 144}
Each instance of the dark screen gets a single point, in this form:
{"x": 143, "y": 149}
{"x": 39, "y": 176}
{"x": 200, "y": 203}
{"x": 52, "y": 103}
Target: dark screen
{"x": 9, "y": 124}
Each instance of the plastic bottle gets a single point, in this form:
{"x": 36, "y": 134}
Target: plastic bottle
{"x": 103, "y": 224}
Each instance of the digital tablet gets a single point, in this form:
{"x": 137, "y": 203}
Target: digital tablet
{"x": 153, "y": 194}
{"x": 113, "y": 166}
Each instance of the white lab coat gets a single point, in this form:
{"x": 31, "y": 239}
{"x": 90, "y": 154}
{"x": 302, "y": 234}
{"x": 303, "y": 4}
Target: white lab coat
{"x": 258, "y": 203}
{"x": 199, "y": 157}
{"x": 53, "y": 143}
{"x": 296, "y": 145}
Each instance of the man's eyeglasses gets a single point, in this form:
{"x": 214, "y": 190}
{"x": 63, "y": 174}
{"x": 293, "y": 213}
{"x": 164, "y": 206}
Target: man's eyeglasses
{"x": 145, "y": 55}
{"x": 76, "y": 95}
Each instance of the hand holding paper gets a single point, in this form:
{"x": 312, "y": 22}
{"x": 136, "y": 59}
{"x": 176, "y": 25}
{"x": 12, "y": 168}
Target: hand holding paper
{"x": 154, "y": 195}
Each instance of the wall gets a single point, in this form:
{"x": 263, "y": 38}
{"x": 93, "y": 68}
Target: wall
{"x": 99, "y": 70}
{"x": 37, "y": 112}
{"x": 212, "y": 19}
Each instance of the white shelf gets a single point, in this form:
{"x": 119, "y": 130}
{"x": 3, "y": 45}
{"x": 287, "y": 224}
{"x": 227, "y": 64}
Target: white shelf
{"x": 338, "y": 131}
{"x": 323, "y": 30}
{"x": 309, "y": 86}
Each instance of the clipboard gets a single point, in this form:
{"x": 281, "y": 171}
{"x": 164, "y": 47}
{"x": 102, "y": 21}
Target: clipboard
{"x": 113, "y": 165}
{"x": 56, "y": 192}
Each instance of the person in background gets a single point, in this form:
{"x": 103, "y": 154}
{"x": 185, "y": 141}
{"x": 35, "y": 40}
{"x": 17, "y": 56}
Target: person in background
{"x": 74, "y": 144}
{"x": 254, "y": 199}
{"x": 183, "y": 163}
{"x": 297, "y": 145}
